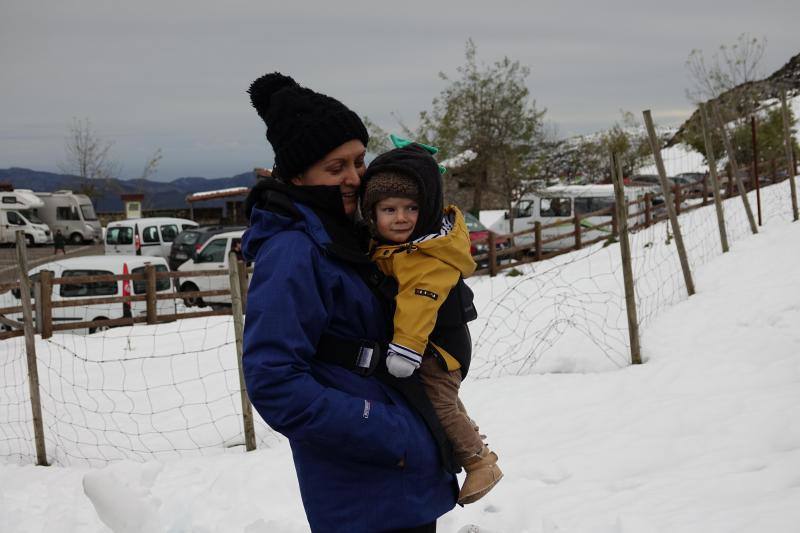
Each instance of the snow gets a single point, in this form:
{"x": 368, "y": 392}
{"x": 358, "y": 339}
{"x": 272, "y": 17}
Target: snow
{"x": 703, "y": 437}
{"x": 221, "y": 192}
{"x": 459, "y": 160}
{"x": 677, "y": 159}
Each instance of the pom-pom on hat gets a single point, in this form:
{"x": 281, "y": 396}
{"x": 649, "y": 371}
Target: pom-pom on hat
{"x": 302, "y": 125}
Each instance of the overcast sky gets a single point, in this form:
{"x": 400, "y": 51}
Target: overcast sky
{"x": 173, "y": 75}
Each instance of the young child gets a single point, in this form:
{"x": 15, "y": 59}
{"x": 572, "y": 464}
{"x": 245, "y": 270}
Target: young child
{"x": 426, "y": 248}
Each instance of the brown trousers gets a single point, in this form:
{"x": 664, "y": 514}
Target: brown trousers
{"x": 442, "y": 388}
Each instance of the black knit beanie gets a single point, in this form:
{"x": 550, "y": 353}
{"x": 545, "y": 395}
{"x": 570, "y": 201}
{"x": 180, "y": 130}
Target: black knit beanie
{"x": 302, "y": 125}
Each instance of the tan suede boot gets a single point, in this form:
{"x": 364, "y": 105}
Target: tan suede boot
{"x": 482, "y": 475}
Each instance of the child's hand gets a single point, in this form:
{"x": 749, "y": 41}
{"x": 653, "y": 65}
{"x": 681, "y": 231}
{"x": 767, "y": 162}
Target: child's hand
{"x": 399, "y": 366}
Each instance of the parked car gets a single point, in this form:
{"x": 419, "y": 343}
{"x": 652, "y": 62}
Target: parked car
{"x": 691, "y": 183}
{"x": 479, "y": 232}
{"x": 213, "y": 255}
{"x": 99, "y": 265}
{"x": 191, "y": 240}
{"x": 144, "y": 236}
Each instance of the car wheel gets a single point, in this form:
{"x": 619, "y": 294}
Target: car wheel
{"x": 191, "y": 301}
{"x": 31, "y": 242}
{"x": 99, "y": 328}
{"x": 76, "y": 238}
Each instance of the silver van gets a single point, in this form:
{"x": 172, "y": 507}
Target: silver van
{"x": 71, "y": 213}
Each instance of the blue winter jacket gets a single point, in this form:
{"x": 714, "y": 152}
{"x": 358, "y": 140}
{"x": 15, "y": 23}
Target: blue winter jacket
{"x": 348, "y": 433}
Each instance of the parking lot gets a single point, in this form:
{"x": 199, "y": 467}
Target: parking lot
{"x": 38, "y": 255}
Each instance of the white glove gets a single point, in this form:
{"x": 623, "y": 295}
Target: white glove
{"x": 401, "y": 366}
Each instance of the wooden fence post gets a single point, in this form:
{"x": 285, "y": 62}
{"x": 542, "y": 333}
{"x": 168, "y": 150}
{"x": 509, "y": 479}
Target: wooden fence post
{"x": 677, "y": 194}
{"x": 46, "y": 303}
{"x": 621, "y": 208}
{"x": 673, "y": 218}
{"x": 730, "y": 180}
{"x": 774, "y": 170}
{"x": 238, "y": 329}
{"x": 648, "y": 210}
{"x": 756, "y": 180}
{"x": 787, "y": 139}
{"x": 150, "y": 284}
{"x": 243, "y": 283}
{"x": 537, "y": 232}
{"x": 30, "y": 348}
{"x": 492, "y": 255}
{"x": 577, "y": 221}
{"x": 614, "y": 224}
{"x": 735, "y": 167}
{"x": 705, "y": 189}
{"x": 712, "y": 169}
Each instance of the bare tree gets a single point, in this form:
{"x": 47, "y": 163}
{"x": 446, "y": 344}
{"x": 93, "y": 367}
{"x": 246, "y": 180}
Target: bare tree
{"x": 728, "y": 67}
{"x": 149, "y": 169}
{"x": 88, "y": 156}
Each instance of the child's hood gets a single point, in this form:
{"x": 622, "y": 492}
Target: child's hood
{"x": 415, "y": 161}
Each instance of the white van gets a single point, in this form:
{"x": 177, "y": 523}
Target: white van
{"x": 144, "y": 236}
{"x": 17, "y": 212}
{"x": 101, "y": 265}
{"x": 213, "y": 255}
{"x": 560, "y": 203}
{"x": 13, "y": 220}
{"x": 71, "y": 213}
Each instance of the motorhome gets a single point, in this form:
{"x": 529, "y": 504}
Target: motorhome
{"x": 71, "y": 213}
{"x": 18, "y": 213}
{"x": 144, "y": 236}
{"x": 560, "y": 204}
{"x": 98, "y": 265}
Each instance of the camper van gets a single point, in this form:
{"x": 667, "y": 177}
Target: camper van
{"x": 99, "y": 265}
{"x": 71, "y": 213}
{"x": 560, "y": 203}
{"x": 144, "y": 236}
{"x": 17, "y": 212}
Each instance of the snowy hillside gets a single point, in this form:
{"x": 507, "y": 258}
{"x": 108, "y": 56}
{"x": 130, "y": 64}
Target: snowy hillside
{"x": 704, "y": 437}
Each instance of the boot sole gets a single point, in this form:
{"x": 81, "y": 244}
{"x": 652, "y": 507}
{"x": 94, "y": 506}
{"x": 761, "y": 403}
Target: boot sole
{"x": 475, "y": 496}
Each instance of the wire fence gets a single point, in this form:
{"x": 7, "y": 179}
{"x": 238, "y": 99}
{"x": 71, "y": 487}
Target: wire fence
{"x": 162, "y": 390}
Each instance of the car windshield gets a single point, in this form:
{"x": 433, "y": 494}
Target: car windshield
{"x": 473, "y": 224}
{"x": 88, "y": 212}
{"x": 187, "y": 237}
{"x": 31, "y": 216}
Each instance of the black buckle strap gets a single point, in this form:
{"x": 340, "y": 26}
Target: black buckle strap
{"x": 357, "y": 355}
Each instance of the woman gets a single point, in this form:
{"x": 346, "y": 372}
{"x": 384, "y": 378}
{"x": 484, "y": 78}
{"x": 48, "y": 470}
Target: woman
{"x": 365, "y": 460}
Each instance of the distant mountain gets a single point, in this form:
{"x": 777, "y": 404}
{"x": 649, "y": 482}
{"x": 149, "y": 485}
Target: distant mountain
{"x": 158, "y": 194}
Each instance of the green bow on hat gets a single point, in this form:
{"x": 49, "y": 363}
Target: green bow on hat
{"x": 399, "y": 142}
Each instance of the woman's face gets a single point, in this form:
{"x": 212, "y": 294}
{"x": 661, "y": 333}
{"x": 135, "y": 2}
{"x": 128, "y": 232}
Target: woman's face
{"x": 344, "y": 166}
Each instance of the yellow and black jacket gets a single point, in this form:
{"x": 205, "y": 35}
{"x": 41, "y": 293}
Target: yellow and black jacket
{"x": 427, "y": 270}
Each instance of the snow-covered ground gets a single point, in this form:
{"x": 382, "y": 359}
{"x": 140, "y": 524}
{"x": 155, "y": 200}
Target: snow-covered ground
{"x": 704, "y": 437}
